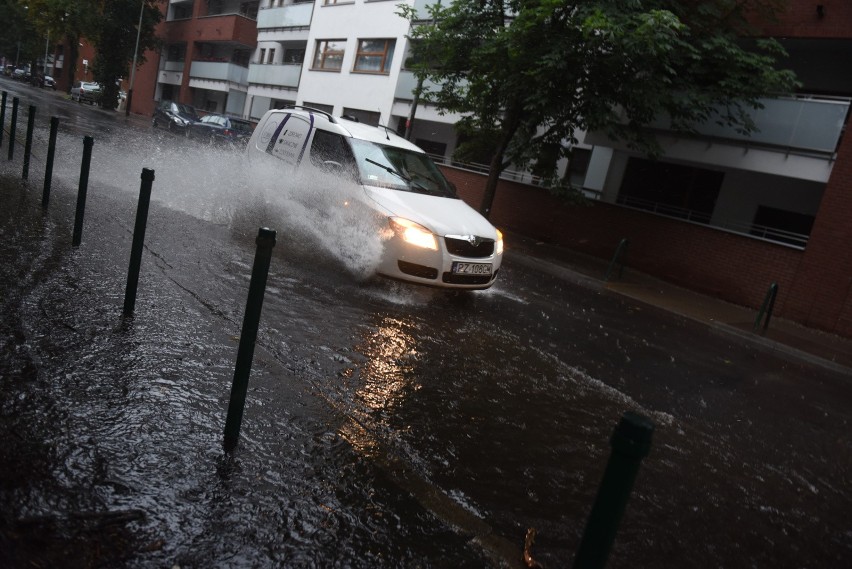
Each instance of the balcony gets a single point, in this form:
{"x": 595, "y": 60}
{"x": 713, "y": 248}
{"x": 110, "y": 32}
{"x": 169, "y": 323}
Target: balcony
{"x": 407, "y": 83}
{"x": 173, "y": 66}
{"x": 228, "y": 28}
{"x": 219, "y": 71}
{"x": 291, "y": 16}
{"x": 422, "y": 7}
{"x": 803, "y": 125}
{"x": 286, "y": 75}
{"x": 170, "y": 77}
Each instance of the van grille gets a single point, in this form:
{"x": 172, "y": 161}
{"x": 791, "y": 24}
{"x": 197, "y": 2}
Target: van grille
{"x": 464, "y": 248}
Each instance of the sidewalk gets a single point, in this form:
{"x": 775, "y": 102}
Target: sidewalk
{"x": 787, "y": 339}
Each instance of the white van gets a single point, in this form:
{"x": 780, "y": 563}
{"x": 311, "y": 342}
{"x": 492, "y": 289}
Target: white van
{"x": 435, "y": 238}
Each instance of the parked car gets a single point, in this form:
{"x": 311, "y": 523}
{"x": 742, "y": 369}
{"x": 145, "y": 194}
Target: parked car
{"x": 86, "y": 91}
{"x": 222, "y": 129}
{"x": 174, "y": 116}
{"x": 431, "y": 237}
{"x": 48, "y": 82}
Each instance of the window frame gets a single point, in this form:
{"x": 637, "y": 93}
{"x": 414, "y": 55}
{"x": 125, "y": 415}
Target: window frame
{"x": 321, "y": 54}
{"x": 386, "y": 56}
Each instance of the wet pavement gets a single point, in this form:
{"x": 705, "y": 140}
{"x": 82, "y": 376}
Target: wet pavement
{"x": 386, "y": 425}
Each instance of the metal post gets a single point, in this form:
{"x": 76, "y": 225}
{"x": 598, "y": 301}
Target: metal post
{"x": 48, "y": 169}
{"x": 28, "y": 146}
{"x": 138, "y": 241}
{"x": 618, "y": 257}
{"x": 630, "y": 442}
{"x": 245, "y": 353}
{"x": 767, "y": 307}
{"x": 12, "y": 127}
{"x": 88, "y": 142}
{"x": 3, "y": 115}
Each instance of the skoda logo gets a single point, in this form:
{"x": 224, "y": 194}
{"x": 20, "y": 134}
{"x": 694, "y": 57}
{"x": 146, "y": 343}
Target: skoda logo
{"x": 473, "y": 240}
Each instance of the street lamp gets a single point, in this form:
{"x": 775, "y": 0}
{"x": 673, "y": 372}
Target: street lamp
{"x": 133, "y": 69}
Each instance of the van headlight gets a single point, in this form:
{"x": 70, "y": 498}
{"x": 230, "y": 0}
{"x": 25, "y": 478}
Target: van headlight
{"x": 499, "y": 246}
{"x": 413, "y": 233}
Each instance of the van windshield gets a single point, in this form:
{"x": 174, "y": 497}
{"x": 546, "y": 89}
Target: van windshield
{"x": 399, "y": 169}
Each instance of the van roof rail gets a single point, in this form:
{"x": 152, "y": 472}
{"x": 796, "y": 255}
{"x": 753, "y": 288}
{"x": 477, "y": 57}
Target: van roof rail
{"x": 328, "y": 115}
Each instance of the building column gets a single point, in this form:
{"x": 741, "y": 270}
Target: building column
{"x": 821, "y": 291}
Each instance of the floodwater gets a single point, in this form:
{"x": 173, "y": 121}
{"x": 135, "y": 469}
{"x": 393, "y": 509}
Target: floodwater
{"x": 386, "y": 425}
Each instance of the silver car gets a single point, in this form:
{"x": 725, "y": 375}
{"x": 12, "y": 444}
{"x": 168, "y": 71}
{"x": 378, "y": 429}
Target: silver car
{"x": 86, "y": 91}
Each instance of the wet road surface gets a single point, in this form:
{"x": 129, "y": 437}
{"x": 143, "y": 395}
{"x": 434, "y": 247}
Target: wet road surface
{"x": 386, "y": 425}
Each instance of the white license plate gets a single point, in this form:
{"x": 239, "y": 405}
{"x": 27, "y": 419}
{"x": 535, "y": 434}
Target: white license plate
{"x": 471, "y": 268}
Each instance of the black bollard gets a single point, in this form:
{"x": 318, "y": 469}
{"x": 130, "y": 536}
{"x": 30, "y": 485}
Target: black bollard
{"x": 48, "y": 170}
{"x": 12, "y": 127}
{"x": 3, "y": 115}
{"x": 630, "y": 443}
{"x": 245, "y": 353}
{"x": 88, "y": 142}
{"x": 138, "y": 241}
{"x": 28, "y": 146}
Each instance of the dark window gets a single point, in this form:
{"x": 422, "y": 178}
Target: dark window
{"x": 775, "y": 224}
{"x": 671, "y": 189}
{"x": 366, "y": 117}
{"x": 320, "y": 107}
{"x": 294, "y": 55}
{"x": 432, "y": 147}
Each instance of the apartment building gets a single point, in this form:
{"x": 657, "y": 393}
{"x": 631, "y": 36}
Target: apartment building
{"x": 719, "y": 211}
{"x": 244, "y": 58}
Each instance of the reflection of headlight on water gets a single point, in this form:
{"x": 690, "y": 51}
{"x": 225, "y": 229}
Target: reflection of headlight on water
{"x": 414, "y": 233}
{"x": 387, "y": 372}
{"x": 386, "y": 378}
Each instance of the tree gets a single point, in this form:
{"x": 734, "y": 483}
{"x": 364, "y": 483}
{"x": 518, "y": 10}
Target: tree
{"x": 115, "y": 39}
{"x": 526, "y": 75}
{"x": 110, "y": 26}
{"x": 19, "y": 42}
{"x": 66, "y": 19}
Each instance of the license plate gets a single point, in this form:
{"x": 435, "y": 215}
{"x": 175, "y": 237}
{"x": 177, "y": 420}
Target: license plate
{"x": 471, "y": 268}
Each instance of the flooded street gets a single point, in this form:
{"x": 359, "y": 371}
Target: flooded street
{"x": 386, "y": 425}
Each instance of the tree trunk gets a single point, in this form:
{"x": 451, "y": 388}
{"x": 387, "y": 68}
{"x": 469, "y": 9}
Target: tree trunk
{"x": 510, "y": 126}
{"x": 71, "y": 59}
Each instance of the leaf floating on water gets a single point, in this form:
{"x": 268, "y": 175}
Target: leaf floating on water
{"x": 529, "y": 540}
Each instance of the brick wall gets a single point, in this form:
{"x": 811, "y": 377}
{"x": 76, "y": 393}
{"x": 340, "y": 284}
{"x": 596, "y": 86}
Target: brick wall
{"x": 799, "y": 18}
{"x": 822, "y": 290}
{"x": 814, "y": 286}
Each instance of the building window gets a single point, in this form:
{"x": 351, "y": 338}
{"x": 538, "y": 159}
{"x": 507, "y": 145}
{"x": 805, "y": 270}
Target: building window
{"x": 294, "y": 55}
{"x": 320, "y": 107}
{"x": 329, "y": 55}
{"x": 262, "y": 55}
{"x": 336, "y": 2}
{"x": 374, "y": 56}
{"x": 371, "y": 118}
{"x": 271, "y": 58}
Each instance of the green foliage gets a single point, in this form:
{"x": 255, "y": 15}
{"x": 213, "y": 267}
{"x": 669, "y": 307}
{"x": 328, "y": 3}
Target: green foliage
{"x": 529, "y": 74}
{"x": 110, "y": 26}
{"x": 20, "y": 41}
{"x": 115, "y": 39}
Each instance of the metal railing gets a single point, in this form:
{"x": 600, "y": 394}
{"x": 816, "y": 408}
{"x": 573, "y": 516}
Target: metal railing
{"x": 774, "y": 234}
